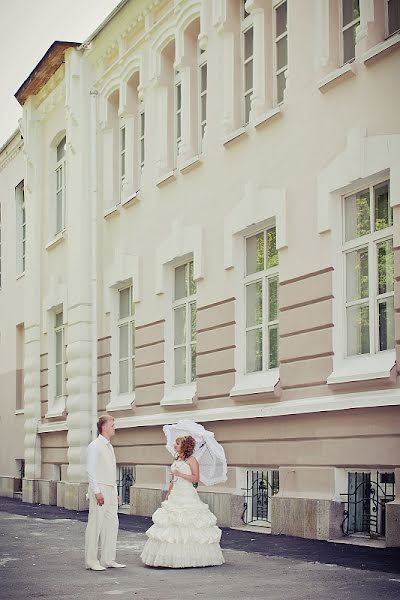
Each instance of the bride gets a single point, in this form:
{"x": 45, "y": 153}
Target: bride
{"x": 184, "y": 533}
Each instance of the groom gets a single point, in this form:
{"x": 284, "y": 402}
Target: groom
{"x": 103, "y": 499}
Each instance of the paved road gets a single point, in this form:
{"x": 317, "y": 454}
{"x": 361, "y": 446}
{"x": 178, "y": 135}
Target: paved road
{"x": 41, "y": 556}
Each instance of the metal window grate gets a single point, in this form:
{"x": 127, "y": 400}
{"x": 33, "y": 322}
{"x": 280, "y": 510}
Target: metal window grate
{"x": 126, "y": 478}
{"x": 260, "y": 487}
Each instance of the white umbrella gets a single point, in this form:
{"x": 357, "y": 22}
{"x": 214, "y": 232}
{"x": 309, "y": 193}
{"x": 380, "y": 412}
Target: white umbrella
{"x": 208, "y": 452}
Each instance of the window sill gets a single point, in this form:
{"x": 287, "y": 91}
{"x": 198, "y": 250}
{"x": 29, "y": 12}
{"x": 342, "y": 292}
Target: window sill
{"x": 190, "y": 164}
{"x": 166, "y": 178}
{"x": 131, "y": 200}
{"x": 380, "y": 50}
{"x": 235, "y": 135}
{"x": 346, "y": 72}
{"x": 363, "y": 368}
{"x": 57, "y": 409}
{"x": 122, "y": 402}
{"x": 266, "y": 117}
{"x": 255, "y": 383}
{"x": 20, "y": 411}
{"x": 111, "y": 212}
{"x": 20, "y": 276}
{"x": 60, "y": 237}
{"x": 179, "y": 395}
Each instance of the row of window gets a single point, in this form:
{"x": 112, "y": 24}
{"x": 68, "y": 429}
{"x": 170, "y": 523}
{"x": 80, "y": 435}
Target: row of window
{"x": 368, "y": 311}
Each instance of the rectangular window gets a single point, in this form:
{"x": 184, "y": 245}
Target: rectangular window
{"x": 202, "y": 93}
{"x": 185, "y": 327}
{"x": 350, "y": 22}
{"x": 59, "y": 354}
{"x": 261, "y": 299}
{"x": 369, "y": 268}
{"x": 248, "y": 70}
{"x": 392, "y": 17}
{"x": 142, "y": 124}
{"x": 19, "y": 379}
{"x": 122, "y": 154}
{"x": 20, "y": 227}
{"x": 178, "y": 113}
{"x": 60, "y": 187}
{"x": 281, "y": 50}
{"x": 126, "y": 341}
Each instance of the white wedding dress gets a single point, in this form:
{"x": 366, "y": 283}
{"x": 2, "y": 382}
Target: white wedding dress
{"x": 184, "y": 533}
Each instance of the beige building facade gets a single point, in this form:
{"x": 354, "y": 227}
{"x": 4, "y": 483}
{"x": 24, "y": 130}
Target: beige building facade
{"x": 200, "y": 218}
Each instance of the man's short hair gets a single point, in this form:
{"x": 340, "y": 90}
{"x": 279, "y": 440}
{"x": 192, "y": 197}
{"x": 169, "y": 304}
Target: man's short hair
{"x": 102, "y": 420}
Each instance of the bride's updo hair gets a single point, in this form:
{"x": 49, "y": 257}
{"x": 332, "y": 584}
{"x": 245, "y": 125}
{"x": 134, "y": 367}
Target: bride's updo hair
{"x": 188, "y": 444}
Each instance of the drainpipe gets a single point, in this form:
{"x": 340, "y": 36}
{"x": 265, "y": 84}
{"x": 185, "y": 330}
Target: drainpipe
{"x": 93, "y": 197}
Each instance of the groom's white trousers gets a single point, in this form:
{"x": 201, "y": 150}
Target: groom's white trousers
{"x": 102, "y": 527}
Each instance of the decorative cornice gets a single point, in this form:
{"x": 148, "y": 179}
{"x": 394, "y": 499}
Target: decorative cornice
{"x": 11, "y": 150}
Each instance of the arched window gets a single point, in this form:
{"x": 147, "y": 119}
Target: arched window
{"x": 60, "y": 177}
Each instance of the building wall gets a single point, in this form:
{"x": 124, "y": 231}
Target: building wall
{"x": 320, "y": 416}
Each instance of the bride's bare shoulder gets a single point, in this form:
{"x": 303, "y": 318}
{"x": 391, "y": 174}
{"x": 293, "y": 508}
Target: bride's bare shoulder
{"x": 192, "y": 460}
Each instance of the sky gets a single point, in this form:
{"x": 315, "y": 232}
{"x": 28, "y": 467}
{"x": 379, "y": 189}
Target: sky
{"x": 27, "y": 29}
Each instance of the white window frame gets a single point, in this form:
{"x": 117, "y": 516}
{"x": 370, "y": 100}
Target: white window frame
{"x": 179, "y": 393}
{"x": 187, "y": 302}
{"x": 177, "y": 112}
{"x": 122, "y": 156}
{"x": 202, "y": 64}
{"x": 370, "y": 241}
{"x": 56, "y": 403}
{"x": 246, "y": 24}
{"x": 118, "y": 400}
{"x": 344, "y": 28}
{"x": 277, "y": 39}
{"x": 20, "y": 228}
{"x": 142, "y": 133}
{"x": 387, "y": 34}
{"x": 60, "y": 168}
{"x": 258, "y": 381}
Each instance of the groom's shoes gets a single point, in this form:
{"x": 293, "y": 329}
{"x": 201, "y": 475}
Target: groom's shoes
{"x": 115, "y": 565}
{"x": 97, "y": 567}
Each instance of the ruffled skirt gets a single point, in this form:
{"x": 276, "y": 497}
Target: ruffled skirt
{"x": 184, "y": 533}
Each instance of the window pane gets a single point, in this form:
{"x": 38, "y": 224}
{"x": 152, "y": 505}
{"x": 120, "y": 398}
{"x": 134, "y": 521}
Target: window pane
{"x": 349, "y": 44}
{"x": 386, "y": 324}
{"x": 280, "y": 86}
{"x": 59, "y": 347}
{"x": 192, "y": 283}
{"x": 59, "y": 319}
{"x": 193, "y": 363}
{"x": 351, "y": 10}
{"x": 273, "y": 347}
{"x": 254, "y": 304}
{"x": 59, "y": 380}
{"x": 248, "y": 76}
{"x": 357, "y": 215}
{"x": 142, "y": 123}
{"x": 281, "y": 53}
{"x": 393, "y": 16}
{"x": 272, "y": 253}
{"x": 358, "y": 329}
{"x": 124, "y": 376}
{"x": 247, "y": 108}
{"x": 357, "y": 275}
{"x": 122, "y": 165}
{"x": 383, "y": 210}
{"x": 178, "y": 96}
{"x": 124, "y": 302}
{"x": 193, "y": 318}
{"x": 180, "y": 325}
{"x": 59, "y": 210}
{"x": 123, "y": 138}
{"x": 180, "y": 282}
{"x": 248, "y": 43}
{"x": 385, "y": 267}
{"x": 180, "y": 365}
{"x": 203, "y": 108}
{"x": 273, "y": 299}
{"x": 254, "y": 351}
{"x": 203, "y": 77}
{"x": 255, "y": 253}
{"x": 178, "y": 126}
{"x": 281, "y": 19}
{"x": 142, "y": 151}
{"x": 124, "y": 341}
{"x": 133, "y": 374}
{"x": 61, "y": 149}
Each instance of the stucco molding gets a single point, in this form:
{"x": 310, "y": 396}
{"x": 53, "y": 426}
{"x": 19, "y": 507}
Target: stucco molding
{"x": 363, "y": 157}
{"x": 125, "y": 267}
{"x": 257, "y": 206}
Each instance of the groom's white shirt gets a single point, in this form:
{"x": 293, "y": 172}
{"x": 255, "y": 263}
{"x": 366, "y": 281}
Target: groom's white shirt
{"x": 100, "y": 465}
